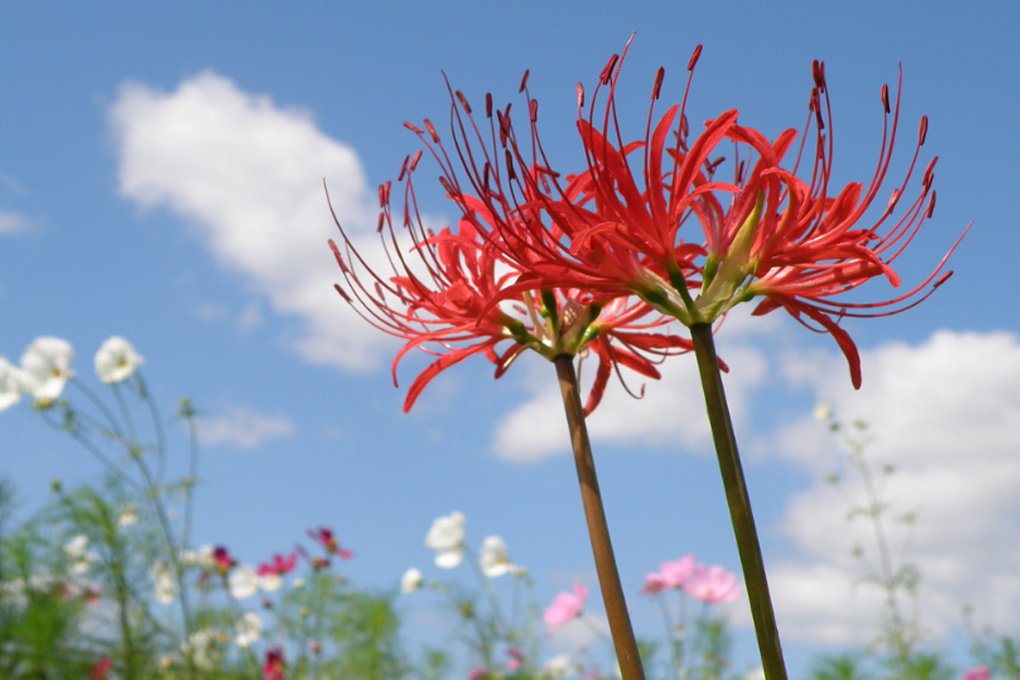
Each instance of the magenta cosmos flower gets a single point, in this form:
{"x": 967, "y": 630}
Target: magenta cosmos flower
{"x": 462, "y": 291}
{"x": 653, "y": 217}
{"x": 565, "y": 607}
{"x": 329, "y": 542}
{"x": 280, "y": 565}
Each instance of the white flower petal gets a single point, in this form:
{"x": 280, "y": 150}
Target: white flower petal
{"x": 116, "y": 360}
{"x": 248, "y": 629}
{"x": 243, "y": 582}
{"x": 46, "y": 367}
{"x": 446, "y": 537}
{"x": 411, "y": 581}
{"x": 11, "y": 384}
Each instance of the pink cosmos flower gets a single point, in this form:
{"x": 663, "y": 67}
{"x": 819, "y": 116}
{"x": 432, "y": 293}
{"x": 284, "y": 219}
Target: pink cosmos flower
{"x": 712, "y": 585}
{"x": 978, "y": 673}
{"x": 654, "y": 583}
{"x": 516, "y": 658}
{"x": 327, "y": 540}
{"x": 676, "y": 574}
{"x": 653, "y": 217}
{"x": 279, "y": 565}
{"x": 673, "y": 575}
{"x": 565, "y": 607}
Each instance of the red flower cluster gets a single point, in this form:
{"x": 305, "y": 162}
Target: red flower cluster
{"x": 647, "y": 232}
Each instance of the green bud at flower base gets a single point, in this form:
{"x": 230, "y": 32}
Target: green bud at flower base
{"x": 725, "y": 280}
{"x": 56, "y": 486}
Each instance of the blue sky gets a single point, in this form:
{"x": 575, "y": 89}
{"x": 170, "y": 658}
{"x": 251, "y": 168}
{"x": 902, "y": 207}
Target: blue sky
{"x": 160, "y": 179}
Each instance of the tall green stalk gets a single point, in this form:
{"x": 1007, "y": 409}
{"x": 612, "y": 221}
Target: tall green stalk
{"x": 739, "y": 503}
{"x": 598, "y": 531}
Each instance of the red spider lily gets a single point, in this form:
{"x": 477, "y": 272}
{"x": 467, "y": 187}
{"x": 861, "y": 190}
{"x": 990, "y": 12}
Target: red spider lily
{"x": 459, "y": 292}
{"x": 327, "y": 540}
{"x": 617, "y": 225}
{"x": 279, "y": 565}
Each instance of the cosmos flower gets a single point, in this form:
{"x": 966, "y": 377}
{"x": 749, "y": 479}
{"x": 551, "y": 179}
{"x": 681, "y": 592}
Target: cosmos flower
{"x": 116, "y": 360}
{"x": 274, "y": 666}
{"x": 411, "y": 581}
{"x": 671, "y": 575}
{"x": 248, "y": 629}
{"x": 101, "y": 671}
{"x": 46, "y": 368}
{"x": 270, "y": 574}
{"x": 243, "y": 582}
{"x": 446, "y": 537}
{"x": 653, "y": 217}
{"x": 712, "y": 585}
{"x": 222, "y": 560}
{"x": 10, "y": 384}
{"x": 565, "y": 607}
{"x": 464, "y": 291}
{"x": 493, "y": 558}
{"x": 165, "y": 583}
{"x": 79, "y": 557}
{"x": 325, "y": 537}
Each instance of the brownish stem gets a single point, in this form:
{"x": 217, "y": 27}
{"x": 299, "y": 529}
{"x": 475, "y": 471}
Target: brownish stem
{"x": 739, "y": 504}
{"x": 598, "y": 531}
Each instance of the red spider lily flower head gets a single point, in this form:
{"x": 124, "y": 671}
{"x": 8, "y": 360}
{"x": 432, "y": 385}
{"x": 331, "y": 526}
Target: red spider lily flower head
{"x": 274, "y": 667}
{"x": 279, "y": 565}
{"x": 464, "y": 291}
{"x": 329, "y": 542}
{"x": 766, "y": 233}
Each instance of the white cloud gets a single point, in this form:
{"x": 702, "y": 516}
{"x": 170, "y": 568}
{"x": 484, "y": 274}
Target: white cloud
{"x": 13, "y": 223}
{"x": 672, "y": 411}
{"x": 248, "y": 176}
{"x": 243, "y": 427}
{"x": 946, "y": 414}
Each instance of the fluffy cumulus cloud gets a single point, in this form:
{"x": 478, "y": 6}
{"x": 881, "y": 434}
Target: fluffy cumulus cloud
{"x": 945, "y": 416}
{"x": 672, "y": 410}
{"x": 247, "y": 175}
{"x": 243, "y": 427}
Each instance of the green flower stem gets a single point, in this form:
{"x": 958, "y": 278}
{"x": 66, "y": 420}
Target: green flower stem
{"x": 739, "y": 504}
{"x": 598, "y": 531}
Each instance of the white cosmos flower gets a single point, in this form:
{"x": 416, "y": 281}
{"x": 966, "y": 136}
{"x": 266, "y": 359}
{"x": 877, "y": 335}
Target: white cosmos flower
{"x": 79, "y": 557}
{"x": 201, "y": 644}
{"x": 493, "y": 559}
{"x": 270, "y": 583}
{"x": 11, "y": 383}
{"x": 46, "y": 367}
{"x": 165, "y": 589}
{"x": 557, "y": 667}
{"x": 116, "y": 360}
{"x": 203, "y": 557}
{"x": 248, "y": 629}
{"x": 128, "y": 515}
{"x": 243, "y": 582}
{"x": 446, "y": 537}
{"x": 411, "y": 581}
